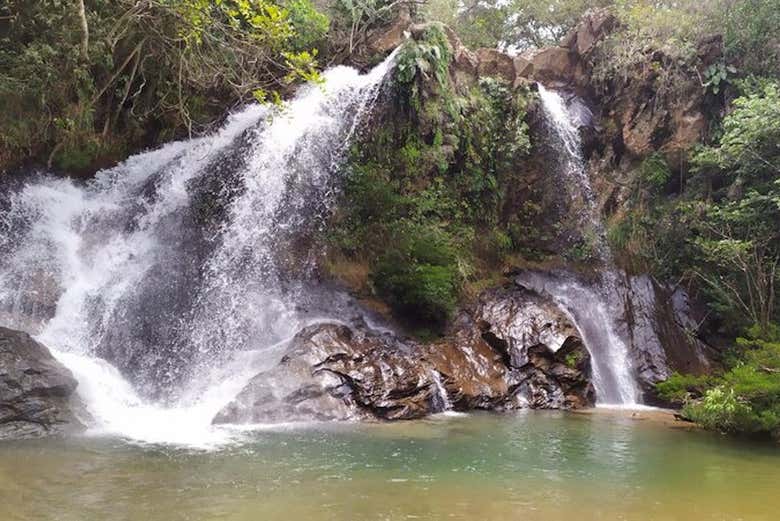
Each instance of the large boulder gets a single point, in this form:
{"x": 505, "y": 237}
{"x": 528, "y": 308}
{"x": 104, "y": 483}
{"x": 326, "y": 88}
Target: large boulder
{"x": 384, "y": 38}
{"x": 592, "y": 27}
{"x": 548, "y": 365}
{"x": 36, "y": 391}
{"x": 552, "y": 64}
{"x": 334, "y": 372}
{"x": 491, "y": 62}
{"x": 511, "y": 350}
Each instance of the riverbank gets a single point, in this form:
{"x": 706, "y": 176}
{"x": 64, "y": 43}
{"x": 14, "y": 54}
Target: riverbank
{"x": 651, "y": 415}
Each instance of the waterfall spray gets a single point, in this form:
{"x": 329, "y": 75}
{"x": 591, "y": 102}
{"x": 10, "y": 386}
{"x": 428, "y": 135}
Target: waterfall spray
{"x": 179, "y": 273}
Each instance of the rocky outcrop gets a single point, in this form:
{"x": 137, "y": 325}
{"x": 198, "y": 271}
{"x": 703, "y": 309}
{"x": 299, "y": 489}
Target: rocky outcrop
{"x": 549, "y": 367}
{"x": 36, "y": 391}
{"x": 593, "y": 26}
{"x": 511, "y": 350}
{"x": 662, "y": 333}
{"x": 334, "y": 372}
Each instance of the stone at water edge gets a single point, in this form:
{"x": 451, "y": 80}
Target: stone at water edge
{"x": 512, "y": 350}
{"x": 334, "y": 372}
{"x": 37, "y": 393}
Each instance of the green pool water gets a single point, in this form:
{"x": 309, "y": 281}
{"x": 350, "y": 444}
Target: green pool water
{"x": 524, "y": 466}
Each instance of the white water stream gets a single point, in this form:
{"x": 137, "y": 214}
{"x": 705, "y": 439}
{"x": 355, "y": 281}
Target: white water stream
{"x": 594, "y": 309}
{"x": 186, "y": 266}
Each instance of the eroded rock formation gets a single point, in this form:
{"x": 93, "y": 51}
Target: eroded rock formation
{"x": 513, "y": 349}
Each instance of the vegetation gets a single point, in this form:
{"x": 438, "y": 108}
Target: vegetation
{"x": 423, "y": 195}
{"x": 749, "y": 28}
{"x": 516, "y": 24}
{"x": 724, "y": 221}
{"x": 430, "y": 206}
{"x": 744, "y": 399}
{"x": 83, "y": 80}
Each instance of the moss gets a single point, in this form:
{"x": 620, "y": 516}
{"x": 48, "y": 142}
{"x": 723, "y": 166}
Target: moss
{"x": 573, "y": 359}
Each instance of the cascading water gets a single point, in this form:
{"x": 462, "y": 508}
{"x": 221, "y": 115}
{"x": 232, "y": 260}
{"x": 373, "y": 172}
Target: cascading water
{"x": 178, "y": 274}
{"x": 592, "y": 309}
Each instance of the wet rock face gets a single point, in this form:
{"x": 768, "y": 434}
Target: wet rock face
{"x": 510, "y": 351}
{"x": 549, "y": 367}
{"x": 662, "y": 333}
{"x": 36, "y": 391}
{"x": 334, "y": 372}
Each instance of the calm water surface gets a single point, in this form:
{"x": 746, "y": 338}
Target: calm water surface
{"x": 526, "y": 466}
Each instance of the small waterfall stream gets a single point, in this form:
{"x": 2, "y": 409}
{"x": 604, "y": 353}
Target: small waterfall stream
{"x": 593, "y": 309}
{"x": 168, "y": 281}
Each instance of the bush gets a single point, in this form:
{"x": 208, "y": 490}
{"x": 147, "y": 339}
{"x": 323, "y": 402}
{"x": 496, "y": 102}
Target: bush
{"x": 680, "y": 388}
{"x": 419, "y": 279}
{"x": 744, "y": 400}
{"x": 721, "y": 410}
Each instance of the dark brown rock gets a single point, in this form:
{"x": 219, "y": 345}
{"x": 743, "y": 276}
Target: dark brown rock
{"x": 386, "y": 38}
{"x": 524, "y": 69}
{"x": 491, "y": 62}
{"x": 593, "y": 26}
{"x": 36, "y": 391}
{"x": 553, "y": 64}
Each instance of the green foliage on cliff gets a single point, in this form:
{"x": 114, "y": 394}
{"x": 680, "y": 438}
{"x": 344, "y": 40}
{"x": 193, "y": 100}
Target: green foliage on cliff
{"x": 83, "y": 80}
{"x": 418, "y": 274}
{"x": 721, "y": 231}
{"x": 744, "y": 399}
{"x": 423, "y": 193}
{"x": 680, "y": 388}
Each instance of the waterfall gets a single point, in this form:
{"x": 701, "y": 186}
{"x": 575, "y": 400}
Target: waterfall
{"x": 443, "y": 402}
{"x": 166, "y": 282}
{"x": 594, "y": 310}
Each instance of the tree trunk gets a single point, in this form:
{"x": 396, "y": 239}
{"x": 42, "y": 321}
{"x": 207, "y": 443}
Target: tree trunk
{"x": 84, "y": 30}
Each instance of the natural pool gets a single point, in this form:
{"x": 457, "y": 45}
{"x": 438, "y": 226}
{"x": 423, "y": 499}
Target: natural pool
{"x": 524, "y": 466}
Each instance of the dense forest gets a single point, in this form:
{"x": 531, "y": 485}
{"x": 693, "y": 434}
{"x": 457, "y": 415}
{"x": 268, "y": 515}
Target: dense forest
{"x": 437, "y": 204}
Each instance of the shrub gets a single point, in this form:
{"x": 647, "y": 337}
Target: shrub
{"x": 419, "y": 279}
{"x": 745, "y": 399}
{"x": 655, "y": 170}
{"x": 721, "y": 410}
{"x": 680, "y": 388}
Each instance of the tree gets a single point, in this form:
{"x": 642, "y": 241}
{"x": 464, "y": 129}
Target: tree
{"x": 737, "y": 229}
{"x": 85, "y": 79}
{"x": 514, "y": 24}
